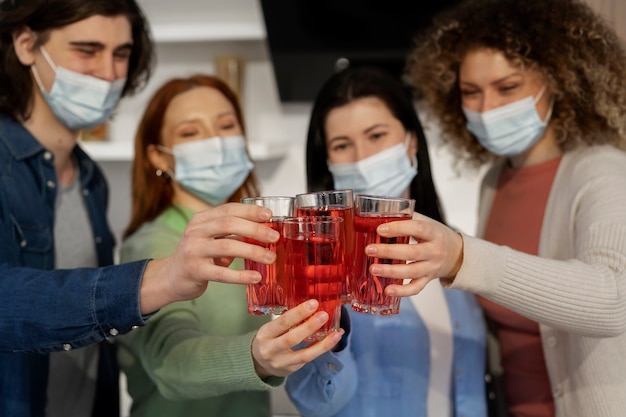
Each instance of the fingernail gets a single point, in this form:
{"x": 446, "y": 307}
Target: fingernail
{"x": 371, "y": 250}
{"x": 376, "y": 270}
{"x": 256, "y": 278}
{"x": 321, "y": 317}
{"x": 266, "y": 213}
{"x": 311, "y": 305}
{"x": 335, "y": 337}
{"x": 270, "y": 257}
{"x": 391, "y": 293}
{"x": 383, "y": 228}
{"x": 273, "y": 235}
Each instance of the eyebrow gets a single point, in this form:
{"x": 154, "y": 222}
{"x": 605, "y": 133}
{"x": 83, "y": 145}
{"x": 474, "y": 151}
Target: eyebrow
{"x": 499, "y": 80}
{"x": 99, "y": 45}
{"x": 377, "y": 125}
{"x": 199, "y": 120}
{"x": 369, "y": 129}
{"x": 226, "y": 113}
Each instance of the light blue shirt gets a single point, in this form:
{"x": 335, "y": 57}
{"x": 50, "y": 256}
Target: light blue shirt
{"x": 385, "y": 365}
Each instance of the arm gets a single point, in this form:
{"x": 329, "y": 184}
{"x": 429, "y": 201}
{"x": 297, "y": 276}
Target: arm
{"x": 325, "y": 385}
{"x": 185, "y": 362}
{"x": 582, "y": 289}
{"x": 75, "y": 307}
{"x": 84, "y": 306}
{"x": 182, "y": 349}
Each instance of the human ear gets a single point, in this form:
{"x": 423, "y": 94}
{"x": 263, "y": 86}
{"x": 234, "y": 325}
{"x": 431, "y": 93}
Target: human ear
{"x": 24, "y": 40}
{"x": 159, "y": 160}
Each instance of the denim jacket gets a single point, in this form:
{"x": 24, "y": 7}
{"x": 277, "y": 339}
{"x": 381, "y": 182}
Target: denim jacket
{"x": 43, "y": 309}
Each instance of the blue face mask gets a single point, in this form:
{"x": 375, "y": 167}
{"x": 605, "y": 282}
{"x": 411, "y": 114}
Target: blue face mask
{"x": 387, "y": 173}
{"x": 508, "y": 130}
{"x": 79, "y": 101}
{"x": 212, "y": 169}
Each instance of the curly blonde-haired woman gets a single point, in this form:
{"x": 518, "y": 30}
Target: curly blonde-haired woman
{"x": 538, "y": 89}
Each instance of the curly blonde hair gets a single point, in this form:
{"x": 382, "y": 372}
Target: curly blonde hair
{"x": 581, "y": 57}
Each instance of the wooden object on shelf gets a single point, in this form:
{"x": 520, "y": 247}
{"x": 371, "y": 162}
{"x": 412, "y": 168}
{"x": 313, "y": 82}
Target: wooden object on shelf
{"x": 98, "y": 133}
{"x": 230, "y": 68}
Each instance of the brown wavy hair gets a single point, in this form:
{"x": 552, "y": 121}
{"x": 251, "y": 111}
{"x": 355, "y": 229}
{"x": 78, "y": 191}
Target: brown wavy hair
{"x": 42, "y": 16}
{"x": 581, "y": 57}
{"x": 152, "y": 194}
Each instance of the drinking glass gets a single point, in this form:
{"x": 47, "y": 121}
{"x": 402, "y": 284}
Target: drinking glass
{"x": 367, "y": 289}
{"x": 314, "y": 265}
{"x": 268, "y": 296}
{"x": 339, "y": 203}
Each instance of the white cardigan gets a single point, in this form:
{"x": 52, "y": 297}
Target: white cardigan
{"x": 576, "y": 288}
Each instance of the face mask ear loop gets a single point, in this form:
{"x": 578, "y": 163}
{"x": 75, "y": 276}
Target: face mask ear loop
{"x": 36, "y": 73}
{"x": 549, "y": 115}
{"x": 164, "y": 149}
{"x": 168, "y": 151}
{"x": 37, "y": 79}
{"x": 547, "y": 118}
{"x": 48, "y": 59}
{"x": 406, "y": 148}
{"x": 543, "y": 89}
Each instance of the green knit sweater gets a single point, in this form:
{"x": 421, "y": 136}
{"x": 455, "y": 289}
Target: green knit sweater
{"x": 193, "y": 358}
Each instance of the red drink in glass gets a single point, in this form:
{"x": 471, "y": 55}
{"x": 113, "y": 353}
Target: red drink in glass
{"x": 367, "y": 289}
{"x": 314, "y": 266}
{"x": 269, "y": 295}
{"x": 347, "y": 214}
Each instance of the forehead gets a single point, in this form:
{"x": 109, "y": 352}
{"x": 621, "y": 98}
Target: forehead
{"x": 205, "y": 103}
{"x": 110, "y": 31}
{"x": 357, "y": 115}
{"x": 485, "y": 64}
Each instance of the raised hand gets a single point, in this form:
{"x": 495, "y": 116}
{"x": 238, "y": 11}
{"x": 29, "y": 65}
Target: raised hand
{"x": 272, "y": 347}
{"x": 437, "y": 254}
{"x": 204, "y": 252}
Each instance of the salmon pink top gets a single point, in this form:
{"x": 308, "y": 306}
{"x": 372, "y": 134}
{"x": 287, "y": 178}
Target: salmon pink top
{"x": 515, "y": 221}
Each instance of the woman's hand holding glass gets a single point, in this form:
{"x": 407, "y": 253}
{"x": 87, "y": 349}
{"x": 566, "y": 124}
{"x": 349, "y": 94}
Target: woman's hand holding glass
{"x": 438, "y": 254}
{"x": 203, "y": 254}
{"x": 272, "y": 346}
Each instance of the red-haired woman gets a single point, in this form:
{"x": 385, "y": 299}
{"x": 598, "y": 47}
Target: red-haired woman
{"x": 208, "y": 356}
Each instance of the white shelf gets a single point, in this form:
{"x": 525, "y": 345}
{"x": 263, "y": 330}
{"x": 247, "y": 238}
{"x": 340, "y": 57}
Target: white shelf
{"x": 207, "y": 31}
{"x": 123, "y": 150}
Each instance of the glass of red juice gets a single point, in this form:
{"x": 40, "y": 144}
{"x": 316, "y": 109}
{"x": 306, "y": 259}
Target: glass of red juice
{"x": 269, "y": 295}
{"x": 314, "y": 266}
{"x": 367, "y": 289}
{"x": 339, "y": 203}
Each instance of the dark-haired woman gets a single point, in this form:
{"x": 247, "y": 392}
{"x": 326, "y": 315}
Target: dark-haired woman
{"x": 429, "y": 360}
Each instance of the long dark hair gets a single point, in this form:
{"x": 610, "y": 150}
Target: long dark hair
{"x": 353, "y": 84}
{"x": 16, "y": 90}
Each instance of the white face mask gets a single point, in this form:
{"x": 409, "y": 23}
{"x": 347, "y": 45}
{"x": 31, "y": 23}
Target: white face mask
{"x": 387, "y": 173}
{"x": 213, "y": 168}
{"x": 511, "y": 129}
{"x": 79, "y": 101}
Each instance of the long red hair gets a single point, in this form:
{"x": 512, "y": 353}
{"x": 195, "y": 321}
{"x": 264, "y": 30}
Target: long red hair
{"x": 152, "y": 194}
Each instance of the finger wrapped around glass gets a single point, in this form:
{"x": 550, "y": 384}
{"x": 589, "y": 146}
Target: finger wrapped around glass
{"x": 321, "y": 258}
{"x": 368, "y": 289}
{"x": 269, "y": 296}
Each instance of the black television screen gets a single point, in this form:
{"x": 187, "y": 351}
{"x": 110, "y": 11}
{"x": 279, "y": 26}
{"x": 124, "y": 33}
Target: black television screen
{"x": 308, "y": 40}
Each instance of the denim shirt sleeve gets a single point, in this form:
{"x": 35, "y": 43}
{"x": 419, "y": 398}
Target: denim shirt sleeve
{"x": 64, "y": 309}
{"x": 325, "y": 385}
